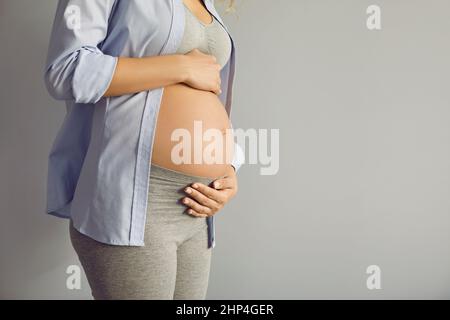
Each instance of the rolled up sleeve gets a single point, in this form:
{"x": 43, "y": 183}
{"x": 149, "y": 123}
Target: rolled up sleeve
{"x": 76, "y": 68}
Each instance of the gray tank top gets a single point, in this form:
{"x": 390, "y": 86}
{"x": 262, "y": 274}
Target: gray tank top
{"x": 210, "y": 38}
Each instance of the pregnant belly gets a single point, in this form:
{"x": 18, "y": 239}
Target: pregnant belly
{"x": 193, "y": 133}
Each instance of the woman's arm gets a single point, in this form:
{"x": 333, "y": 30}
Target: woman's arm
{"x": 77, "y": 70}
{"x": 139, "y": 74}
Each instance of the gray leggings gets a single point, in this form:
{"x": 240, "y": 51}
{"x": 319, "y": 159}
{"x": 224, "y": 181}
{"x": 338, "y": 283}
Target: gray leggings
{"x": 173, "y": 264}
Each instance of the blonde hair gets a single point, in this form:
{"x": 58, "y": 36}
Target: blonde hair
{"x": 230, "y": 5}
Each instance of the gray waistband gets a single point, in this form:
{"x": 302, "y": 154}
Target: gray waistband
{"x": 158, "y": 172}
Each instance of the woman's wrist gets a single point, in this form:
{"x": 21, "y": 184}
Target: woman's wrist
{"x": 182, "y": 67}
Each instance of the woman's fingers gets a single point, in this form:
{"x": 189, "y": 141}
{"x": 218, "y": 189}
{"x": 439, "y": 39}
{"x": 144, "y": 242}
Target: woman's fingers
{"x": 197, "y": 207}
{"x": 194, "y": 213}
{"x": 201, "y": 198}
{"x": 224, "y": 183}
{"x": 204, "y": 72}
{"x": 211, "y": 193}
{"x": 204, "y": 201}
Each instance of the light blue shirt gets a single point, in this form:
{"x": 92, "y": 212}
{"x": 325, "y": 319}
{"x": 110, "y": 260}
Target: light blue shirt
{"x": 99, "y": 164}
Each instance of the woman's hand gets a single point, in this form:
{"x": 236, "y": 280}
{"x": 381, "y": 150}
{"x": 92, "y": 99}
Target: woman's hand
{"x": 202, "y": 71}
{"x": 204, "y": 201}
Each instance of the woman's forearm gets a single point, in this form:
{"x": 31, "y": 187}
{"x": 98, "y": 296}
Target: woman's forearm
{"x": 134, "y": 75}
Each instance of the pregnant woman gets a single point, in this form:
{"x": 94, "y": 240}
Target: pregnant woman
{"x": 145, "y": 157}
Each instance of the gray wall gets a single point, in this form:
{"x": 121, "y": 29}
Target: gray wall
{"x": 364, "y": 154}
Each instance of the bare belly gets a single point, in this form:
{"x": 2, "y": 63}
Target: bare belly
{"x": 192, "y": 133}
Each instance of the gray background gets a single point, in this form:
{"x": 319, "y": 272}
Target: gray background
{"x": 364, "y": 154}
